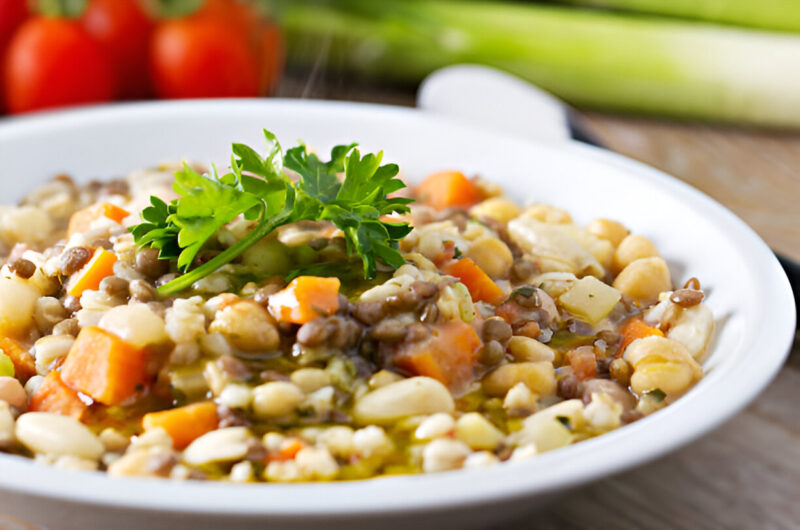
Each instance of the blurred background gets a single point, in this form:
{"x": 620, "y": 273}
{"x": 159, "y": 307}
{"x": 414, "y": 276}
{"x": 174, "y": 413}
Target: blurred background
{"x": 708, "y": 90}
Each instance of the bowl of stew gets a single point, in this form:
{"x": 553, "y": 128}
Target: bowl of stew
{"x": 203, "y": 320}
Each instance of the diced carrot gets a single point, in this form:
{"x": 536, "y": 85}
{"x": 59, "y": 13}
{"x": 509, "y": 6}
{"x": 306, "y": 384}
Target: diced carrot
{"x": 105, "y": 367}
{"x": 480, "y": 286}
{"x": 54, "y": 396}
{"x": 82, "y": 220}
{"x": 634, "y": 329}
{"x": 583, "y": 362}
{"x": 446, "y": 189}
{"x": 305, "y": 298}
{"x": 24, "y": 364}
{"x": 449, "y": 355}
{"x": 184, "y": 424}
{"x": 288, "y": 450}
{"x": 89, "y": 277}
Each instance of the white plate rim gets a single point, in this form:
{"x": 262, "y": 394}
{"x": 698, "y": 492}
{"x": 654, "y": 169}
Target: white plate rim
{"x": 401, "y": 494}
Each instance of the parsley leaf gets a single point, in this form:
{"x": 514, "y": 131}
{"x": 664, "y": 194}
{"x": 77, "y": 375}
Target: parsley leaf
{"x": 258, "y": 189}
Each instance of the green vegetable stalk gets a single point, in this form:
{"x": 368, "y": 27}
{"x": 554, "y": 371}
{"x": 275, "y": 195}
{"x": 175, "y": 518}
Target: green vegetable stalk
{"x": 591, "y": 59}
{"x": 781, "y": 15}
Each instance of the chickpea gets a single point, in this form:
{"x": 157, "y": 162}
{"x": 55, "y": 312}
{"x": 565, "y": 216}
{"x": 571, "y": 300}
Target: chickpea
{"x": 644, "y": 279}
{"x": 609, "y": 230}
{"x": 492, "y": 256}
{"x": 499, "y": 209}
{"x": 631, "y": 248}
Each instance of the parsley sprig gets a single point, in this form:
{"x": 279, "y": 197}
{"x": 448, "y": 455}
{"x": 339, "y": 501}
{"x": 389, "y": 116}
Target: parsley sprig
{"x": 260, "y": 190}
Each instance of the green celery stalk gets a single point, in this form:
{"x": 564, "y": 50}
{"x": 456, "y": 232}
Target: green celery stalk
{"x": 591, "y": 59}
{"x": 781, "y": 15}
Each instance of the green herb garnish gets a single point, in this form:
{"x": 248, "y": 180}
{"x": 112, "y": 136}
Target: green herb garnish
{"x": 259, "y": 189}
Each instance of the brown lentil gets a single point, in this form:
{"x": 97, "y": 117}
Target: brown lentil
{"x": 74, "y": 259}
{"x": 620, "y": 371}
{"x": 114, "y": 286}
{"x": 272, "y": 286}
{"x": 492, "y": 353}
{"x": 430, "y": 313}
{"x": 569, "y": 387}
{"x": 604, "y": 386}
{"x": 603, "y": 365}
{"x": 522, "y": 270}
{"x": 23, "y": 268}
{"x": 417, "y": 332}
{"x": 389, "y": 330}
{"x": 496, "y": 329}
{"x": 233, "y": 368}
{"x": 148, "y": 264}
{"x": 369, "y": 313}
{"x": 334, "y": 331}
{"x": 141, "y": 291}
{"x": 686, "y": 297}
{"x": 522, "y": 298}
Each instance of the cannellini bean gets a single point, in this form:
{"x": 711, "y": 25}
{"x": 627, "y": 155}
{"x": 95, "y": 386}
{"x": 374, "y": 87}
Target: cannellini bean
{"x": 241, "y": 472}
{"x": 644, "y": 279}
{"x": 528, "y": 349}
{"x": 499, "y": 209}
{"x": 491, "y": 255}
{"x": 6, "y": 425}
{"x": 609, "y": 230}
{"x": 247, "y": 325}
{"x": 539, "y": 377}
{"x": 54, "y": 434}
{"x": 276, "y": 398}
{"x": 631, "y": 248}
{"x": 136, "y": 324}
{"x": 524, "y": 452}
{"x": 409, "y": 397}
{"x": 223, "y": 445}
{"x": 17, "y": 305}
{"x": 435, "y": 426}
{"x": 310, "y": 379}
{"x": 13, "y": 393}
{"x": 693, "y": 329}
{"x": 477, "y": 432}
{"x": 277, "y": 471}
{"x": 444, "y": 454}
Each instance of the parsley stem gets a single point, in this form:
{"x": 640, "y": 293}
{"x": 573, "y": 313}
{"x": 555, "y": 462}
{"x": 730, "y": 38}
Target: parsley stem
{"x": 262, "y": 229}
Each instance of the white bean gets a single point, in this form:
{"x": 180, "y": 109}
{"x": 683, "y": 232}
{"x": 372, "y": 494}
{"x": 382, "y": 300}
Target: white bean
{"x": 6, "y": 425}
{"x": 54, "y": 434}
{"x": 409, "y": 397}
{"x": 477, "y": 432}
{"x": 276, "y": 398}
{"x": 444, "y": 454}
{"x": 12, "y": 392}
{"x": 222, "y": 445}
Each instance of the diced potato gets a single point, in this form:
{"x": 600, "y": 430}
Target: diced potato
{"x": 590, "y": 299}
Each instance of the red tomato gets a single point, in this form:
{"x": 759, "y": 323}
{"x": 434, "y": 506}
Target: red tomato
{"x": 124, "y": 30}
{"x": 12, "y": 14}
{"x": 53, "y": 62}
{"x": 197, "y": 57}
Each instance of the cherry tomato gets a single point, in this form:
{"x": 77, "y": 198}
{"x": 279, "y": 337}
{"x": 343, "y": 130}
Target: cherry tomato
{"x": 197, "y": 57}
{"x": 124, "y": 31}
{"x": 53, "y": 62}
{"x": 12, "y": 14}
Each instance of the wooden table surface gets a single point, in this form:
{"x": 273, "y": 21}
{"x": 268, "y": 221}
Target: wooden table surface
{"x": 746, "y": 474}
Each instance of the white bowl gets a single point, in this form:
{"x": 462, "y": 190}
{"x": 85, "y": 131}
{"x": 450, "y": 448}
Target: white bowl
{"x": 748, "y": 293}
